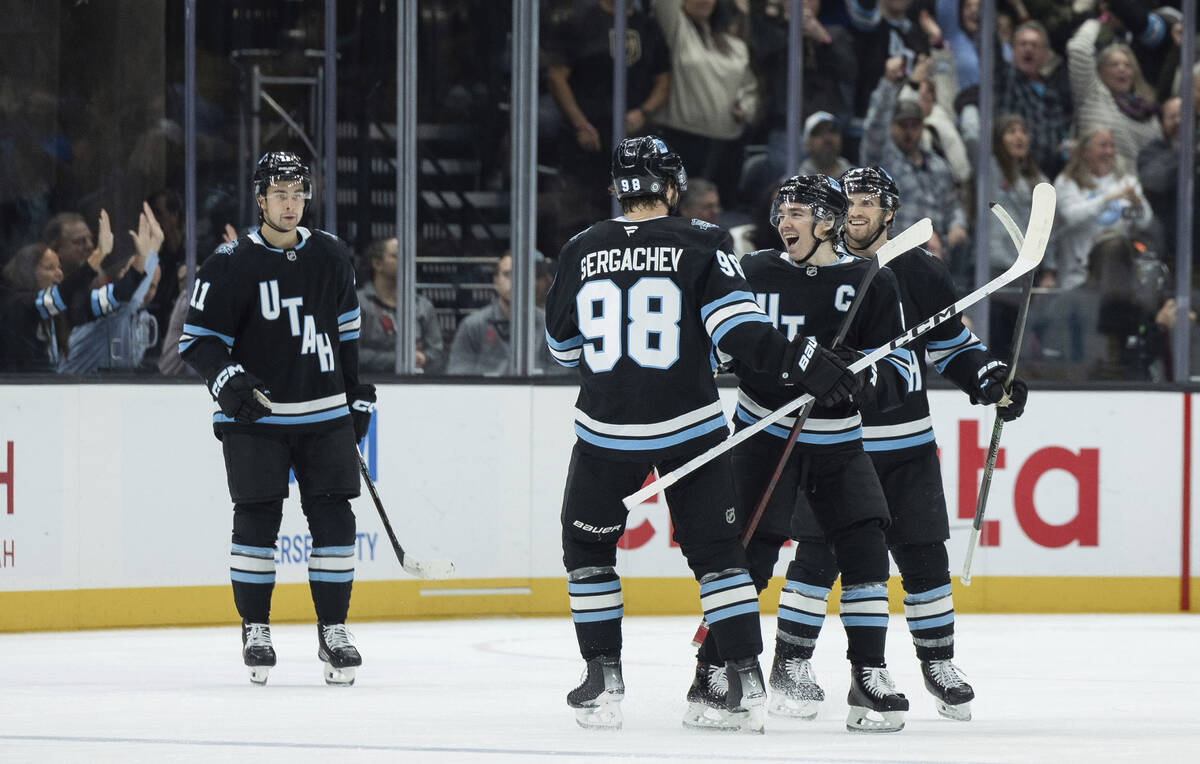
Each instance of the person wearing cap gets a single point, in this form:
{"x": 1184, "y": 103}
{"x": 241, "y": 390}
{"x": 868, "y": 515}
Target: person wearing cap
{"x": 823, "y": 146}
{"x": 892, "y": 140}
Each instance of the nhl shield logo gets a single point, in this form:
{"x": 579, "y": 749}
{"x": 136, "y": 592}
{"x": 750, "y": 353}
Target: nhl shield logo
{"x": 811, "y": 270}
{"x": 291, "y": 255}
{"x": 730, "y": 515}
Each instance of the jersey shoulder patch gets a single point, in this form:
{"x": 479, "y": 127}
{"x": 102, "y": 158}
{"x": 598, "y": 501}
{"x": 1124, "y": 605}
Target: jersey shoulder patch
{"x": 226, "y": 248}
{"x": 703, "y": 225}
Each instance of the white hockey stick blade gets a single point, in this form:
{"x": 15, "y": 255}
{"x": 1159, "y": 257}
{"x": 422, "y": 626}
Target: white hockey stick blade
{"x": 1010, "y": 225}
{"x": 1041, "y": 220}
{"x": 914, "y": 236}
{"x": 434, "y": 569}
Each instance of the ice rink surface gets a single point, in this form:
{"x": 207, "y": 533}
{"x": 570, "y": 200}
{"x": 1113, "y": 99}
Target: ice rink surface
{"x": 1080, "y": 688}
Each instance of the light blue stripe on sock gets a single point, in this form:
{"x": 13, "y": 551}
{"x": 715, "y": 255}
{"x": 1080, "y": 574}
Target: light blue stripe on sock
{"x": 816, "y": 592}
{"x": 603, "y": 586}
{"x": 331, "y": 576}
{"x": 731, "y": 611}
{"x": 264, "y": 552}
{"x": 929, "y": 596}
{"x": 252, "y": 578}
{"x": 741, "y": 579}
{"x": 865, "y": 593}
{"x": 804, "y": 618}
{"x": 598, "y": 615}
{"x": 931, "y": 623}
{"x": 878, "y": 621}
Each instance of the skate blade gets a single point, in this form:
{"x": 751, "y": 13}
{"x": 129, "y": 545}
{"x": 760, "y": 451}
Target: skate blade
{"x": 959, "y": 713}
{"x": 782, "y": 705}
{"x": 339, "y": 677}
{"x": 865, "y": 720}
{"x": 702, "y": 717}
{"x": 258, "y": 674}
{"x": 605, "y": 716}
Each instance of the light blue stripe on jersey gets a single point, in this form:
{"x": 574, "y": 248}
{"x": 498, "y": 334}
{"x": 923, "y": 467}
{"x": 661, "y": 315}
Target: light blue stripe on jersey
{"x": 598, "y": 615}
{"x": 737, "y": 321}
{"x": 603, "y": 586}
{"x": 252, "y": 578}
{"x": 321, "y": 416}
{"x": 798, "y": 617}
{"x": 941, "y": 365}
{"x": 741, "y": 579}
{"x": 898, "y": 443}
{"x": 333, "y": 551}
{"x": 878, "y": 621}
{"x": 57, "y": 297}
{"x": 649, "y": 444}
{"x": 808, "y": 590}
{"x": 264, "y": 552}
{"x": 200, "y": 331}
{"x": 349, "y": 316}
{"x": 804, "y": 437}
{"x": 347, "y": 336}
{"x": 721, "y": 302}
{"x": 573, "y": 342}
{"x": 929, "y": 596}
{"x": 331, "y": 576}
{"x": 931, "y": 623}
{"x": 960, "y": 338}
{"x": 732, "y": 611}
{"x": 185, "y": 344}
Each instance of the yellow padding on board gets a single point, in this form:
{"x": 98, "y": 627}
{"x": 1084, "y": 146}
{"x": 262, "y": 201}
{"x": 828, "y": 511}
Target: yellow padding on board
{"x": 409, "y": 599}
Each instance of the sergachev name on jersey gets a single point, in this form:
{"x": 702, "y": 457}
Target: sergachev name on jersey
{"x": 630, "y": 259}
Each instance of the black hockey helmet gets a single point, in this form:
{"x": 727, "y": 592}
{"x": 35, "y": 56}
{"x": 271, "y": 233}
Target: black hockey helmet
{"x": 276, "y": 166}
{"x": 859, "y": 180}
{"x": 642, "y": 166}
{"x": 821, "y": 193}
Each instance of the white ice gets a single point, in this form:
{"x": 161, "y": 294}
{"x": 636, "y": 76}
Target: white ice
{"x": 1080, "y": 688}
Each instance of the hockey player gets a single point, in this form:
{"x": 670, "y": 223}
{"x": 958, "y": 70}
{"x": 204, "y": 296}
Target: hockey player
{"x": 901, "y": 441}
{"x": 808, "y": 289}
{"x": 273, "y": 328}
{"x": 638, "y": 305}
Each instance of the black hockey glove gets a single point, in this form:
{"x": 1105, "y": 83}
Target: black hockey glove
{"x": 234, "y": 388}
{"x": 864, "y": 380}
{"x": 817, "y": 371}
{"x": 991, "y": 391}
{"x": 362, "y": 403}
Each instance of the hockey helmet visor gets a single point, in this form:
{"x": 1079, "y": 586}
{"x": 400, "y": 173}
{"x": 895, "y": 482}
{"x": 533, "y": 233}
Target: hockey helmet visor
{"x": 281, "y": 167}
{"x": 872, "y": 180}
{"x": 820, "y": 193}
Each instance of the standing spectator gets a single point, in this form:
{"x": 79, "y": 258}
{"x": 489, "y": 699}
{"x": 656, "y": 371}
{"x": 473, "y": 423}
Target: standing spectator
{"x": 823, "y": 145}
{"x": 579, "y": 77}
{"x": 924, "y": 178}
{"x": 1100, "y": 203}
{"x": 481, "y": 345}
{"x": 378, "y": 301}
{"x": 940, "y": 136}
{"x": 714, "y": 93}
{"x": 67, "y": 233}
{"x": 1110, "y": 92}
{"x": 1044, "y": 102}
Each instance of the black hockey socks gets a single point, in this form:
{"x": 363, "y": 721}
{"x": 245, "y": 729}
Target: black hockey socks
{"x": 252, "y": 571}
{"x": 801, "y": 616}
{"x": 331, "y": 562}
{"x": 730, "y": 604}
{"x": 865, "y": 618}
{"x": 928, "y": 602}
{"x": 596, "y": 609}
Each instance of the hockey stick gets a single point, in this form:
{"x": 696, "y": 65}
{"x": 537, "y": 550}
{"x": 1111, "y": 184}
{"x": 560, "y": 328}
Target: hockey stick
{"x": 913, "y": 236}
{"x": 1041, "y": 219}
{"x": 985, "y": 484}
{"x": 411, "y": 565}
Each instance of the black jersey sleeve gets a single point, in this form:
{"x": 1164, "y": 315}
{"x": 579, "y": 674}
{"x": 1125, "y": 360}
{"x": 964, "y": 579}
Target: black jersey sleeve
{"x": 214, "y": 315}
{"x": 562, "y": 325}
{"x": 732, "y": 316}
{"x": 103, "y": 300}
{"x": 349, "y": 318}
{"x": 953, "y": 349}
{"x": 880, "y": 320}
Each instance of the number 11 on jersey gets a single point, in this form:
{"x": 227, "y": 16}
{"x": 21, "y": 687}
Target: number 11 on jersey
{"x": 654, "y": 307}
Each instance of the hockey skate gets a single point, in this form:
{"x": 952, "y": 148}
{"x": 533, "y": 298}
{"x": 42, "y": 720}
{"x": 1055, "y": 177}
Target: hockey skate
{"x": 709, "y": 705}
{"x": 336, "y": 650}
{"x": 875, "y": 706}
{"x": 794, "y": 689}
{"x": 597, "y": 699}
{"x": 257, "y": 651}
{"x": 951, "y": 692}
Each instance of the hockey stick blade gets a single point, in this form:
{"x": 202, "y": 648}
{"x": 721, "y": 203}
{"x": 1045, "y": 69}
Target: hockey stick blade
{"x": 432, "y": 569}
{"x": 1036, "y": 238}
{"x": 989, "y": 465}
{"x": 913, "y": 236}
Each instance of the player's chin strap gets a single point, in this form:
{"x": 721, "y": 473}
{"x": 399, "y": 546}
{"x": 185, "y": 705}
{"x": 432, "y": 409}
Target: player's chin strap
{"x": 878, "y": 232}
{"x": 272, "y": 226}
{"x": 815, "y": 246}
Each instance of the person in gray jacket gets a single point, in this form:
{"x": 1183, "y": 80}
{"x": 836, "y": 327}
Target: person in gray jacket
{"x": 377, "y": 300}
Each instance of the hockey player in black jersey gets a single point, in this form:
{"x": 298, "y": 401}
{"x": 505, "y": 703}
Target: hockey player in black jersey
{"x": 639, "y": 304}
{"x": 807, "y": 289}
{"x": 273, "y": 329}
{"x": 901, "y": 441}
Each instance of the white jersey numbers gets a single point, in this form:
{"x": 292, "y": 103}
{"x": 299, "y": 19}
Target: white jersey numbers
{"x": 199, "y": 292}
{"x": 654, "y": 309}
{"x": 730, "y": 264}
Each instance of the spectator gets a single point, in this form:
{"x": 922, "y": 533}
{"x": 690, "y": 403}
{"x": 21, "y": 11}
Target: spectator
{"x": 925, "y": 180}
{"x": 169, "y": 362}
{"x": 168, "y": 210}
{"x": 823, "y": 146}
{"x": 481, "y": 345}
{"x": 1158, "y": 168}
{"x": 1044, "y": 102}
{"x": 714, "y": 93}
{"x": 1014, "y": 174}
{"x": 67, "y": 233}
{"x": 701, "y": 201}
{"x": 1100, "y": 204}
{"x": 940, "y": 135}
{"x": 378, "y": 301}
{"x": 1149, "y": 36}
{"x": 579, "y": 78}
{"x": 1111, "y": 93}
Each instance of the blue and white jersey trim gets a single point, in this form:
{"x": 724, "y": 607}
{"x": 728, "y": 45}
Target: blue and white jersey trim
{"x": 653, "y": 435}
{"x": 300, "y": 412}
{"x": 566, "y": 352}
{"x": 894, "y": 437}
{"x": 49, "y": 302}
{"x": 817, "y": 430}
{"x": 104, "y": 301}
{"x": 192, "y": 332}
{"x": 349, "y": 324}
{"x": 942, "y": 352}
{"x": 734, "y": 309}
{"x": 257, "y": 238}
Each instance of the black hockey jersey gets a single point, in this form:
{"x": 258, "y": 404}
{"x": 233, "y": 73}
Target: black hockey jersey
{"x": 638, "y": 306}
{"x": 289, "y": 317}
{"x": 813, "y": 301}
{"x": 955, "y": 352}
